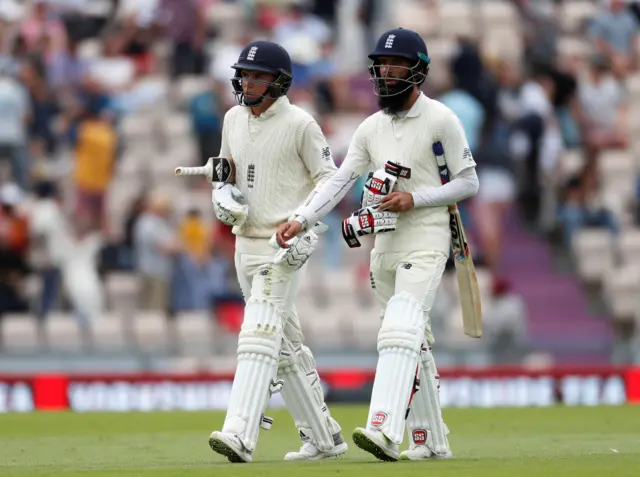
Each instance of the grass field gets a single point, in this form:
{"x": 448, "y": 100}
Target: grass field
{"x": 577, "y": 442}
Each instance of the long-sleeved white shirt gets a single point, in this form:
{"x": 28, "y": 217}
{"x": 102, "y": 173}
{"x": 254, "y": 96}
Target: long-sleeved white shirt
{"x": 280, "y": 156}
{"x": 407, "y": 141}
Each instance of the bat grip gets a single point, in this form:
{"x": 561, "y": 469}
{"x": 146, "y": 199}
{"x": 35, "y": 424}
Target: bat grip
{"x": 189, "y": 171}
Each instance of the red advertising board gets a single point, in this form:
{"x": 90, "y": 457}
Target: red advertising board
{"x": 490, "y": 387}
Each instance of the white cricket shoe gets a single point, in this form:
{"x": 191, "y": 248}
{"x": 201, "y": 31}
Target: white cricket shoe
{"x": 310, "y": 452}
{"x": 376, "y": 443}
{"x": 230, "y": 446}
{"x": 424, "y": 452}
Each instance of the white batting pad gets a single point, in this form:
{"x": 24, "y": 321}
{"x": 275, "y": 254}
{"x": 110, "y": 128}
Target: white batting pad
{"x": 425, "y": 415}
{"x": 399, "y": 343}
{"x": 303, "y": 395}
{"x": 258, "y": 352}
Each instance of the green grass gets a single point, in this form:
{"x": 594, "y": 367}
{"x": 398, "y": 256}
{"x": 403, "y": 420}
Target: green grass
{"x": 576, "y": 442}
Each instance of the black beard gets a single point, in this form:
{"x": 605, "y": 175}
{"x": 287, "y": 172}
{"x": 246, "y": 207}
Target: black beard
{"x": 392, "y": 105}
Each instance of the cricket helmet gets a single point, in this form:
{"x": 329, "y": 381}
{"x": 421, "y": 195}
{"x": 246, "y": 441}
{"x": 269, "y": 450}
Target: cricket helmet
{"x": 267, "y": 57}
{"x": 399, "y": 43}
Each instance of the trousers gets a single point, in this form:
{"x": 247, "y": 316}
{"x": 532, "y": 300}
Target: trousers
{"x": 259, "y": 278}
{"x": 418, "y": 273}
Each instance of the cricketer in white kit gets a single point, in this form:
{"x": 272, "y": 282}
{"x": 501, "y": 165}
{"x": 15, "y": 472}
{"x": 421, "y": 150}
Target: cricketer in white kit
{"x": 404, "y": 198}
{"x": 280, "y": 155}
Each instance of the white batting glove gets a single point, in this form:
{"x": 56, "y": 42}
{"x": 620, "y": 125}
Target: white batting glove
{"x": 228, "y": 205}
{"x": 300, "y": 248}
{"x": 378, "y": 184}
{"x": 367, "y": 221}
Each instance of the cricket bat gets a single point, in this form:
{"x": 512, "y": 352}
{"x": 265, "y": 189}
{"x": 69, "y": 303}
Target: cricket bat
{"x": 465, "y": 270}
{"x": 217, "y": 169}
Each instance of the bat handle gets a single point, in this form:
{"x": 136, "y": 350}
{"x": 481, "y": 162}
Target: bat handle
{"x": 190, "y": 171}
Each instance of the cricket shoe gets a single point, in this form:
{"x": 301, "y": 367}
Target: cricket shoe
{"x": 376, "y": 443}
{"x": 230, "y": 446}
{"x": 425, "y": 451}
{"x": 310, "y": 452}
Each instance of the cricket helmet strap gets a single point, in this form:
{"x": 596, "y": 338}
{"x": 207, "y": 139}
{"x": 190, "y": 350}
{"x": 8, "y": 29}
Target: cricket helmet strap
{"x": 267, "y": 57}
{"x": 399, "y": 43}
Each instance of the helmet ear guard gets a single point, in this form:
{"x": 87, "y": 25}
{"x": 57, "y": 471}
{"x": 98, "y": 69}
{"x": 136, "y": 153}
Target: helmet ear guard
{"x": 275, "y": 89}
{"x": 417, "y": 75}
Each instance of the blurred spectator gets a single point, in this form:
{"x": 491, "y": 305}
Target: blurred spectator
{"x": 185, "y": 25}
{"x": 138, "y": 31}
{"x": 497, "y": 193}
{"x": 14, "y": 118}
{"x": 467, "y": 108}
{"x": 53, "y": 238}
{"x": 582, "y": 208}
{"x": 80, "y": 275}
{"x": 195, "y": 236}
{"x": 604, "y": 103}
{"x": 471, "y": 76}
{"x": 14, "y": 228}
{"x": 368, "y": 12}
{"x": 94, "y": 141}
{"x": 155, "y": 248}
{"x": 541, "y": 33}
{"x": 113, "y": 71}
{"x": 505, "y": 328}
{"x": 300, "y": 26}
{"x": 14, "y": 243}
{"x": 66, "y": 70}
{"x": 44, "y": 110}
{"x": 127, "y": 246}
{"x": 42, "y": 31}
{"x": 206, "y": 120}
{"x": 537, "y": 138}
{"x": 614, "y": 31}
{"x": 71, "y": 250}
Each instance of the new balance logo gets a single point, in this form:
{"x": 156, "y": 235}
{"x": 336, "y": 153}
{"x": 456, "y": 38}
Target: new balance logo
{"x": 466, "y": 155}
{"x": 389, "y": 42}
{"x": 252, "y": 53}
{"x": 326, "y": 153}
{"x": 251, "y": 175}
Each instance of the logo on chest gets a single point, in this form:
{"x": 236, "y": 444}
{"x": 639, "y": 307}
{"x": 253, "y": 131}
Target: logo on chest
{"x": 251, "y": 175}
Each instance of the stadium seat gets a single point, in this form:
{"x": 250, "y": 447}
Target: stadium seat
{"x": 497, "y": 13}
{"x": 417, "y": 16}
{"x": 571, "y": 47}
{"x": 570, "y": 164}
{"x": 593, "y": 249}
{"x": 621, "y": 288}
{"x": 575, "y": 13}
{"x": 122, "y": 290}
{"x": 456, "y": 17}
{"x": 502, "y": 42}
{"x": 177, "y": 126}
{"x": 19, "y": 333}
{"x": 64, "y": 334}
{"x": 629, "y": 246}
{"x": 194, "y": 333}
{"x": 89, "y": 49}
{"x": 109, "y": 335}
{"x": 151, "y": 332}
{"x": 190, "y": 86}
{"x": 365, "y": 326}
{"x": 633, "y": 85}
{"x": 613, "y": 165}
{"x": 136, "y": 126}
{"x": 322, "y": 327}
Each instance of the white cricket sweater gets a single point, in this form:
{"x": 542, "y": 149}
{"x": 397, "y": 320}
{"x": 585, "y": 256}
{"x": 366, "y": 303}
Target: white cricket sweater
{"x": 407, "y": 141}
{"x": 280, "y": 157}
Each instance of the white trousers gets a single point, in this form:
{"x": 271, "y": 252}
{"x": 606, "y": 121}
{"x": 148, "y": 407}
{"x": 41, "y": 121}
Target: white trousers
{"x": 418, "y": 273}
{"x": 260, "y": 279}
